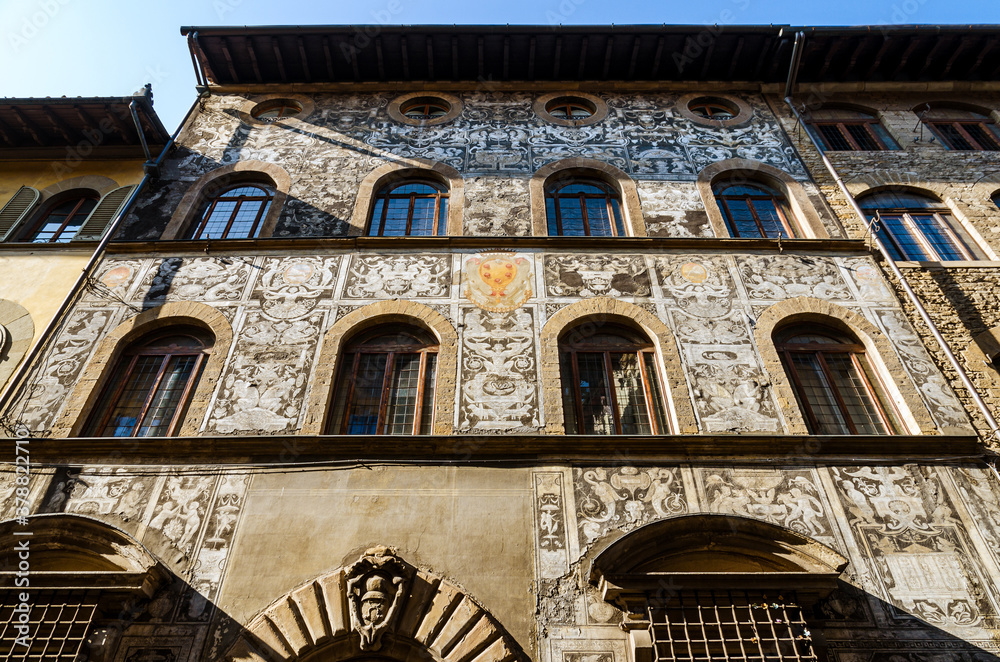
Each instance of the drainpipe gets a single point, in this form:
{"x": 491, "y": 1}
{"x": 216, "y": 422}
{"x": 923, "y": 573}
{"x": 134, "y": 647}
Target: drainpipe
{"x": 13, "y": 385}
{"x": 914, "y": 299}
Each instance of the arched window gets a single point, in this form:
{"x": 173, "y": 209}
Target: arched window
{"x": 385, "y": 383}
{"x": 996, "y": 199}
{"x": 916, "y": 227}
{"x": 960, "y": 129}
{"x": 610, "y": 383}
{"x": 235, "y": 213}
{"x": 839, "y": 129}
{"x": 835, "y": 385}
{"x": 583, "y": 208}
{"x": 151, "y": 385}
{"x": 60, "y": 223}
{"x": 410, "y": 209}
{"x": 754, "y": 210}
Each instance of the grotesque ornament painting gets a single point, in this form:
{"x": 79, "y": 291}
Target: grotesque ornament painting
{"x": 375, "y": 590}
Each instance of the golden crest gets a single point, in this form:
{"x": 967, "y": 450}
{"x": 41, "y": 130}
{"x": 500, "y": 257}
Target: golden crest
{"x": 498, "y": 282}
{"x": 694, "y": 272}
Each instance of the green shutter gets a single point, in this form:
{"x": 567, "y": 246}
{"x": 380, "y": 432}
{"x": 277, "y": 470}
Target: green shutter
{"x": 16, "y": 210}
{"x": 105, "y": 211}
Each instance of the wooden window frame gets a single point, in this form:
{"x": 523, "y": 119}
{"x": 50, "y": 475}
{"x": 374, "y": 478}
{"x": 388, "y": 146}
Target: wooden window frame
{"x": 112, "y": 392}
{"x": 861, "y": 365}
{"x": 941, "y": 217}
{"x": 779, "y": 202}
{"x": 609, "y": 195}
{"x": 427, "y": 103}
{"x": 346, "y": 379}
{"x": 959, "y": 125}
{"x": 267, "y": 200}
{"x": 385, "y": 194}
{"x": 841, "y": 126}
{"x": 38, "y": 225}
{"x": 641, "y": 350}
{"x": 567, "y": 105}
{"x": 706, "y": 105}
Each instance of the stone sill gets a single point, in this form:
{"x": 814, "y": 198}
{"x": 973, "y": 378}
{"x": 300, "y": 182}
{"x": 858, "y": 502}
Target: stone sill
{"x": 420, "y": 244}
{"x": 508, "y": 450}
{"x": 29, "y": 248}
{"x": 953, "y": 264}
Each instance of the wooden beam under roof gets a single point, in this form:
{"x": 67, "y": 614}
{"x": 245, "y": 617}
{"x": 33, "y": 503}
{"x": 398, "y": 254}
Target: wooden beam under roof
{"x": 990, "y": 44}
{"x": 962, "y": 47}
{"x": 429, "y": 43}
{"x": 583, "y": 58}
{"x": 708, "y": 57}
{"x": 454, "y": 58}
{"x": 657, "y": 57}
{"x": 939, "y": 43}
{"x": 123, "y": 130}
{"x": 481, "y": 53}
{"x": 555, "y": 60}
{"x": 329, "y": 59}
{"x": 4, "y": 135}
{"x": 877, "y": 60}
{"x": 531, "y": 58}
{"x": 229, "y": 59}
{"x": 280, "y": 61}
{"x": 636, "y": 41}
{"x": 831, "y": 53}
{"x": 57, "y": 124}
{"x": 406, "y": 57}
{"x": 305, "y": 60}
{"x": 26, "y": 125}
{"x": 735, "y": 60}
{"x": 506, "y": 57}
{"x": 252, "y": 52}
{"x": 855, "y": 54}
{"x": 608, "y": 52}
{"x": 907, "y": 52}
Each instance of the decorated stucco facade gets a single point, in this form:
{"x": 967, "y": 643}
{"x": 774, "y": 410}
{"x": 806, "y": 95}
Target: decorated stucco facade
{"x": 494, "y": 532}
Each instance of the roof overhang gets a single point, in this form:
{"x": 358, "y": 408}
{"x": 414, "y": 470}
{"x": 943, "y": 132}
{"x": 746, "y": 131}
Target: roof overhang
{"x": 484, "y": 54}
{"x": 90, "y": 125}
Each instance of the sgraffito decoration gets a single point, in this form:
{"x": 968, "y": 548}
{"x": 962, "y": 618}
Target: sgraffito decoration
{"x": 498, "y": 282}
{"x": 376, "y": 584}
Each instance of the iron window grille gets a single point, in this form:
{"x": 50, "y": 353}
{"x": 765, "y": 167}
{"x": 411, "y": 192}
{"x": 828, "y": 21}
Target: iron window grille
{"x": 963, "y": 129}
{"x": 610, "y": 383}
{"x": 151, "y": 386}
{"x": 236, "y": 213}
{"x": 836, "y": 387}
{"x": 57, "y": 620}
{"x": 386, "y": 384}
{"x": 918, "y": 228}
{"x": 583, "y": 208}
{"x": 410, "y": 209}
{"x": 725, "y": 626}
{"x": 753, "y": 210}
{"x": 62, "y": 221}
{"x": 849, "y": 130}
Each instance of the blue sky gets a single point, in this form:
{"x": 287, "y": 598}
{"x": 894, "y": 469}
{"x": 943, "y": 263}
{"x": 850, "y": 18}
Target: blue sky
{"x": 113, "y": 47}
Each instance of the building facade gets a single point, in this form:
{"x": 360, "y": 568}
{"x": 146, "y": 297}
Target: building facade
{"x": 492, "y": 344}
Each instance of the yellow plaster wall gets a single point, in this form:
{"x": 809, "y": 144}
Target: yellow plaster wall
{"x": 43, "y": 173}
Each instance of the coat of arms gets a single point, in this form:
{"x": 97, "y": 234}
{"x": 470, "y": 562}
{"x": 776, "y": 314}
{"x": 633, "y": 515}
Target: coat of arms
{"x": 498, "y": 282}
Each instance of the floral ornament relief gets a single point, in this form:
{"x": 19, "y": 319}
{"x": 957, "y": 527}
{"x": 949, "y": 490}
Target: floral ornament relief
{"x": 625, "y": 498}
{"x": 498, "y": 282}
{"x": 376, "y": 584}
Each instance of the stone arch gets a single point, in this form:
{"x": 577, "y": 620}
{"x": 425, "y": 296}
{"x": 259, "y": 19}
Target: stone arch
{"x": 804, "y": 206}
{"x": 382, "y": 312}
{"x": 99, "y": 183}
{"x": 98, "y": 370}
{"x": 396, "y": 170}
{"x": 16, "y": 332}
{"x": 242, "y": 171}
{"x": 635, "y": 223}
{"x": 899, "y": 386}
{"x": 602, "y": 310}
{"x": 436, "y": 620}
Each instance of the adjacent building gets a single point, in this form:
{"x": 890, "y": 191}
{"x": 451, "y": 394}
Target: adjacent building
{"x": 493, "y": 343}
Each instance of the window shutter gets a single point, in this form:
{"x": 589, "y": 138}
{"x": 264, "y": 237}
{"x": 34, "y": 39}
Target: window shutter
{"x": 105, "y": 211}
{"x": 16, "y": 210}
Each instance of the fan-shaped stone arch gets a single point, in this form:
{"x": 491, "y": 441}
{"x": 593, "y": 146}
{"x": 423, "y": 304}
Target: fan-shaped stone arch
{"x": 321, "y": 620}
{"x": 415, "y": 168}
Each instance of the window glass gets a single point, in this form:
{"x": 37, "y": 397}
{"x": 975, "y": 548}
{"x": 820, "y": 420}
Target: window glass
{"x": 150, "y": 387}
{"x": 962, "y": 129}
{"x": 916, "y": 227}
{"x": 236, "y": 213}
{"x": 753, "y": 210}
{"x": 411, "y": 209}
{"x": 62, "y": 221}
{"x": 841, "y": 129}
{"x": 385, "y": 384}
{"x": 610, "y": 384}
{"x": 583, "y": 208}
